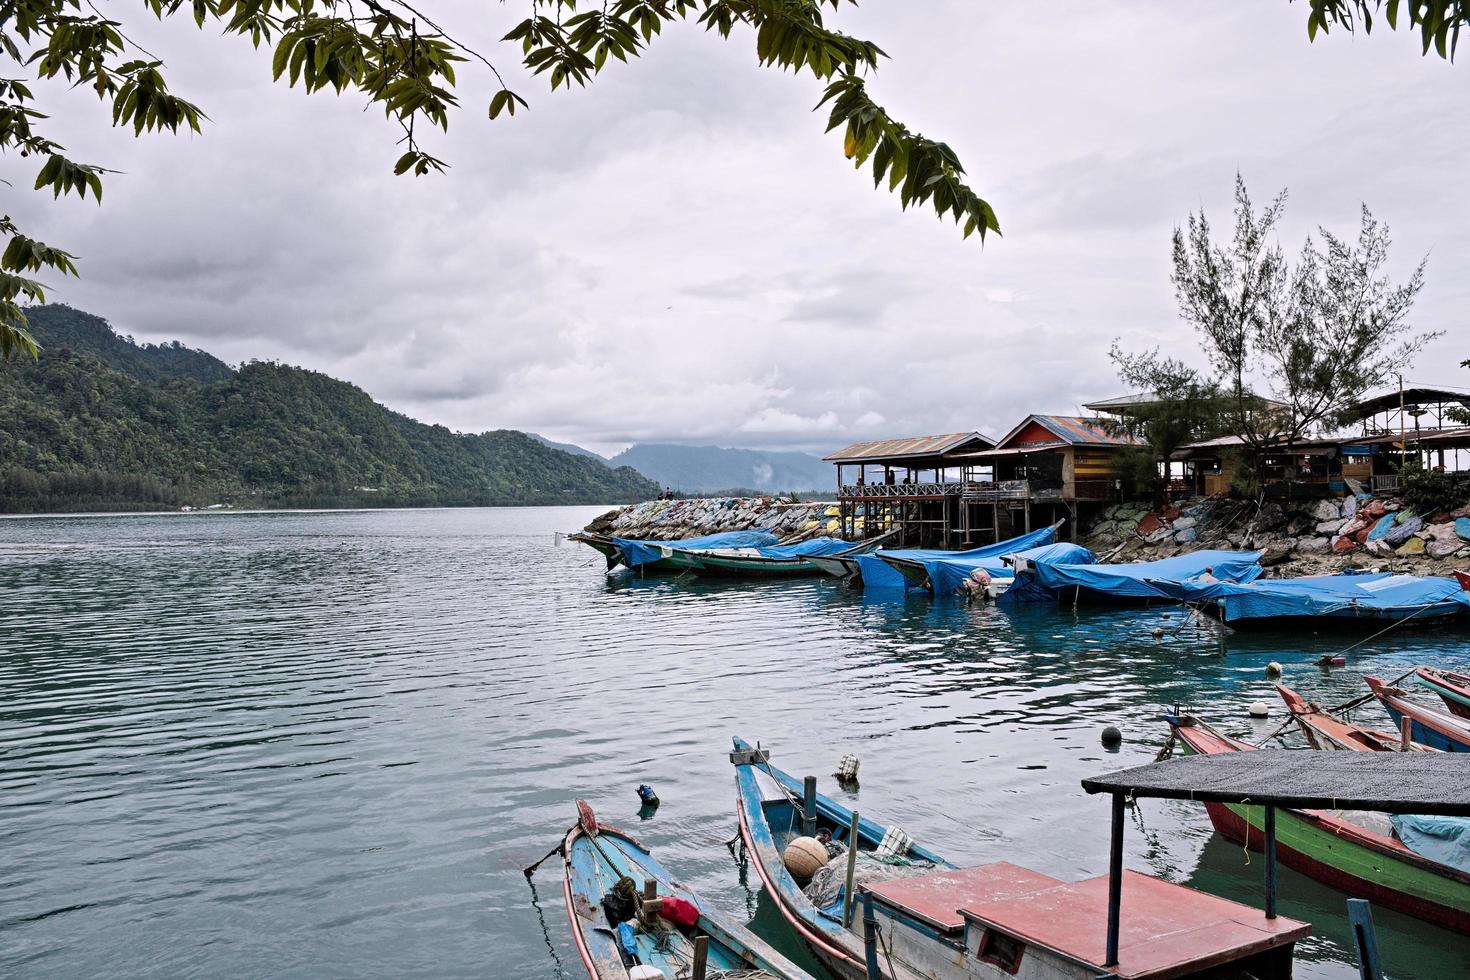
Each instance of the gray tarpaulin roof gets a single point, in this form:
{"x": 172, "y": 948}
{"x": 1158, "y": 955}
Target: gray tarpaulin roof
{"x": 1388, "y": 782}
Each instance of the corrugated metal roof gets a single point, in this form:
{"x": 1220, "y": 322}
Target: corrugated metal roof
{"x": 909, "y": 447}
{"x": 1076, "y": 431}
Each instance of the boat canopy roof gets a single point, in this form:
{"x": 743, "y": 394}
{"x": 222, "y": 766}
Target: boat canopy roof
{"x": 1386, "y": 782}
{"x": 1139, "y": 579}
{"x": 878, "y": 575}
{"x": 1323, "y": 595}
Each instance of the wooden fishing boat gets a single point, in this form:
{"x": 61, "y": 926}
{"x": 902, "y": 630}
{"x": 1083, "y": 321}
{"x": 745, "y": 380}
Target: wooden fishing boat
{"x": 603, "y": 544}
{"x": 781, "y": 561}
{"x": 995, "y": 921}
{"x": 1335, "y": 850}
{"x": 1326, "y": 731}
{"x": 1438, "y": 729}
{"x": 594, "y": 858}
{"x": 838, "y": 566}
{"x": 1452, "y": 688}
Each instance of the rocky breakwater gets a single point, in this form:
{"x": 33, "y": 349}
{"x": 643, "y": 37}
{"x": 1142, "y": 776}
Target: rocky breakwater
{"x": 670, "y": 520}
{"x": 1305, "y": 537}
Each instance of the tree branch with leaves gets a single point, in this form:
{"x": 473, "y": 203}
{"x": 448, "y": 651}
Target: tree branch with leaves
{"x": 398, "y": 58}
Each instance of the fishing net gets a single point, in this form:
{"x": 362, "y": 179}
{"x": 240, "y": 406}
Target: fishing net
{"x": 826, "y": 885}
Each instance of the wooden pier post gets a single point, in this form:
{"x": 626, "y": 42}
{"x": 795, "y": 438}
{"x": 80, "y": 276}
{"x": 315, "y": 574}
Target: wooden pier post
{"x": 1360, "y": 917}
{"x": 701, "y": 956}
{"x": 1115, "y": 881}
{"x": 852, "y": 849}
{"x": 809, "y": 807}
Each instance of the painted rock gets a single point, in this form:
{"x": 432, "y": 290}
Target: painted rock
{"x": 1405, "y": 516}
{"x": 1462, "y": 528}
{"x": 1380, "y": 530}
{"x": 1442, "y": 548}
{"x": 1361, "y": 535}
{"x": 1374, "y": 508}
{"x": 1402, "y": 532}
{"x": 1349, "y": 506}
{"x": 1149, "y": 525}
{"x": 1413, "y": 546}
{"x": 1343, "y": 544}
{"x": 1440, "y": 532}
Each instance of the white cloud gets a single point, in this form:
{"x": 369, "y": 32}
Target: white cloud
{"x": 680, "y": 254}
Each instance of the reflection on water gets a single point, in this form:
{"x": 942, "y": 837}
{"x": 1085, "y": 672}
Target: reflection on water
{"x": 326, "y": 744}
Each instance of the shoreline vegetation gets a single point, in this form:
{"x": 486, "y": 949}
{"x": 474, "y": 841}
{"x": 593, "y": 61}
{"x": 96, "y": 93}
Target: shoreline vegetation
{"x": 101, "y": 423}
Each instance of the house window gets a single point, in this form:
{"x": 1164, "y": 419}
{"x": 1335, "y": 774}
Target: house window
{"x": 1001, "y": 950}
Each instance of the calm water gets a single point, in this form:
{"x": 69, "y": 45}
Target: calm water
{"x": 290, "y": 745}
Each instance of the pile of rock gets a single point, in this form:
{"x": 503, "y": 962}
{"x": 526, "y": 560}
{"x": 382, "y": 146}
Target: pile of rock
{"x": 1298, "y": 537}
{"x": 670, "y": 520}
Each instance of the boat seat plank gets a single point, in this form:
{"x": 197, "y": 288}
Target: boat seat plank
{"x": 937, "y": 897}
{"x": 1167, "y": 929}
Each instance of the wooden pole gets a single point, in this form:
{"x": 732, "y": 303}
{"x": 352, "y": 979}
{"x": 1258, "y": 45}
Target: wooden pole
{"x": 701, "y": 956}
{"x": 1360, "y": 917}
{"x": 852, "y": 850}
{"x": 809, "y": 806}
{"x": 1115, "y": 882}
{"x": 1270, "y": 849}
{"x": 1406, "y": 733}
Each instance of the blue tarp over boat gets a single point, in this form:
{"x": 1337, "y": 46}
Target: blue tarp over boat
{"x": 1442, "y": 839}
{"x": 814, "y": 546}
{"x": 877, "y": 574}
{"x": 1135, "y": 580}
{"x": 947, "y": 574}
{"x": 1379, "y": 595}
{"x": 636, "y": 553}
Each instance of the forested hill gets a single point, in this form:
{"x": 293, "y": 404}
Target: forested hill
{"x": 99, "y": 422}
{"x": 58, "y": 326}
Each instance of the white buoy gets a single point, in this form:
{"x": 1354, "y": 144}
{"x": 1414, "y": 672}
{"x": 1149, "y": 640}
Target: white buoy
{"x": 1158, "y": 632}
{"x": 1260, "y": 709}
{"x": 1273, "y": 669}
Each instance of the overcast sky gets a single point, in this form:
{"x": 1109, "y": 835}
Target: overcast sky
{"x": 679, "y": 253}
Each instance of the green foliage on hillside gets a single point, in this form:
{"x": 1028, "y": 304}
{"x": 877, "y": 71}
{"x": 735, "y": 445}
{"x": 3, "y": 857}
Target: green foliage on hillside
{"x": 57, "y": 326}
{"x": 83, "y": 434}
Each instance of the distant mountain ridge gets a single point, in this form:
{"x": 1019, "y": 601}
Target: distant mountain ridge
{"x": 705, "y": 469}
{"x": 568, "y": 447}
{"x": 102, "y": 422}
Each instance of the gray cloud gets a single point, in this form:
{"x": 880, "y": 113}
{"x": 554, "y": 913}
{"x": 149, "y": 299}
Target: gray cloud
{"x": 680, "y": 254}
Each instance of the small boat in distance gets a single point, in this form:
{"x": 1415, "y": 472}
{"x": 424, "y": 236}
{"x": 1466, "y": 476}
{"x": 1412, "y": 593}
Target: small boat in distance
{"x": 607, "y": 872}
{"x": 1334, "y": 848}
{"x": 914, "y": 916}
{"x": 667, "y": 556}
{"x": 1437, "y": 729}
{"x": 1453, "y": 689}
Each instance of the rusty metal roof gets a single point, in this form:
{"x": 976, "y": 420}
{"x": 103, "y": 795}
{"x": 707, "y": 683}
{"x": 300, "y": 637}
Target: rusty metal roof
{"x": 913, "y": 446}
{"x": 1075, "y": 431}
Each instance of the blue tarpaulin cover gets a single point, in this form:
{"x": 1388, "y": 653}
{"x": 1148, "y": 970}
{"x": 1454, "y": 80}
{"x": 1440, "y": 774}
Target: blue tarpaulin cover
{"x": 878, "y": 574}
{"x": 1442, "y": 839}
{"x": 814, "y": 546}
{"x": 1136, "y": 580}
{"x": 1377, "y": 594}
{"x": 636, "y": 553}
{"x": 947, "y": 574}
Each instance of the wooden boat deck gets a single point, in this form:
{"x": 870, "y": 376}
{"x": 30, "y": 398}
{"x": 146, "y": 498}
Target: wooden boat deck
{"x": 936, "y": 898}
{"x": 1169, "y": 930}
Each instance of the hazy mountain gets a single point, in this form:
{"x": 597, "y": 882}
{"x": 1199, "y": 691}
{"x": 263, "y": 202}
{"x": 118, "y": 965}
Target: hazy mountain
{"x": 702, "y": 469}
{"x": 567, "y": 447}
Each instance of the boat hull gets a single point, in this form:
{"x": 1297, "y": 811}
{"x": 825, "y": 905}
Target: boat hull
{"x": 1433, "y": 728}
{"x": 840, "y": 950}
{"x": 1339, "y": 853}
{"x": 587, "y": 866}
{"x": 1453, "y": 689}
{"x": 721, "y": 566}
{"x": 838, "y": 566}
